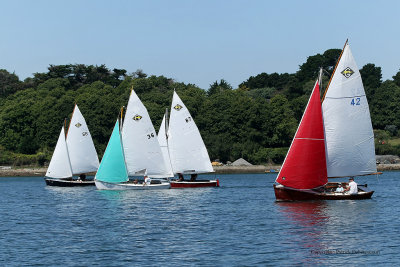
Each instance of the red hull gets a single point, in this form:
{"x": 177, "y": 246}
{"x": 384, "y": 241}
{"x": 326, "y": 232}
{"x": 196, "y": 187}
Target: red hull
{"x": 199, "y": 183}
{"x": 283, "y": 193}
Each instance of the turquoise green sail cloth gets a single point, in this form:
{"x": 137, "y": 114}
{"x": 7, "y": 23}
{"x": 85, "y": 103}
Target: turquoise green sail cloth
{"x": 112, "y": 168}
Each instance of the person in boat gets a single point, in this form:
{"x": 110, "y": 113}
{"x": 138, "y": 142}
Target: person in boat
{"x": 193, "y": 177}
{"x": 180, "y": 177}
{"x": 136, "y": 181}
{"x": 82, "y": 177}
{"x": 339, "y": 189}
{"x": 352, "y": 188}
{"x": 147, "y": 180}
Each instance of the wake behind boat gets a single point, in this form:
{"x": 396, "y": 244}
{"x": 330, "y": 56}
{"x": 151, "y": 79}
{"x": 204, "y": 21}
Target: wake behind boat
{"x": 74, "y": 155}
{"x": 335, "y": 140}
{"x": 183, "y": 148}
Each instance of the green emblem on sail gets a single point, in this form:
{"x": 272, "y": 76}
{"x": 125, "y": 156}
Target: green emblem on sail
{"x": 137, "y": 117}
{"x": 347, "y": 72}
{"x": 78, "y": 125}
{"x": 178, "y": 107}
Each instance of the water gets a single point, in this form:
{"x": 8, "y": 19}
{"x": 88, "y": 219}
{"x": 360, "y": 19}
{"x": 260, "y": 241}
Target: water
{"x": 238, "y": 224}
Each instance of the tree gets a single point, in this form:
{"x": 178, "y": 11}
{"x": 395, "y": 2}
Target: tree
{"x": 396, "y": 78}
{"x": 372, "y": 79}
{"x": 9, "y": 83}
{"x": 309, "y": 70}
{"x": 219, "y": 87}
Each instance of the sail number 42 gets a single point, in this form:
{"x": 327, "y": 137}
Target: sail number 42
{"x": 355, "y": 101}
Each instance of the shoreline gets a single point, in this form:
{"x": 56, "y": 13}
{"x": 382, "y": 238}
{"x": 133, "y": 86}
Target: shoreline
{"x": 40, "y": 172}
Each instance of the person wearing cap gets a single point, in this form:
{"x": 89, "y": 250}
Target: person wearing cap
{"x": 352, "y": 188}
{"x": 147, "y": 180}
{"x": 339, "y": 189}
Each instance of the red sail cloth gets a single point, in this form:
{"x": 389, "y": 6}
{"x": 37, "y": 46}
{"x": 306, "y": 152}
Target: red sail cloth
{"x": 305, "y": 163}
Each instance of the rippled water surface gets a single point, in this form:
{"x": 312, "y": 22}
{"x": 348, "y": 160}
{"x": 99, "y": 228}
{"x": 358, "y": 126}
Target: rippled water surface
{"x": 238, "y": 224}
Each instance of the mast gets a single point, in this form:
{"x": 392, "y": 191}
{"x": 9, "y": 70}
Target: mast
{"x": 334, "y": 70}
{"x": 69, "y": 125}
{"x": 120, "y": 138}
{"x": 320, "y": 77}
{"x": 66, "y": 146}
{"x": 166, "y": 123}
{"x": 166, "y": 138}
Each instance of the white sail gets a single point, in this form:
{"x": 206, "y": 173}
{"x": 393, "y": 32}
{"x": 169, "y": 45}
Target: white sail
{"x": 60, "y": 166}
{"x": 141, "y": 148}
{"x": 162, "y": 140}
{"x": 186, "y": 147}
{"x": 82, "y": 153}
{"x": 349, "y": 136}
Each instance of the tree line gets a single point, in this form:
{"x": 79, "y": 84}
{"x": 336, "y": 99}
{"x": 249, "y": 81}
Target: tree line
{"x": 255, "y": 121}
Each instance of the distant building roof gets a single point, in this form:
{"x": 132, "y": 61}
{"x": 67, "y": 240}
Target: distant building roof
{"x": 241, "y": 162}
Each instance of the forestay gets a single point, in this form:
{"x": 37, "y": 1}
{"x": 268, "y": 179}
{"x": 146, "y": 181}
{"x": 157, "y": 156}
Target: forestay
{"x": 162, "y": 140}
{"x": 141, "y": 148}
{"x": 112, "y": 167}
{"x": 81, "y": 149}
{"x": 349, "y": 136}
{"x": 186, "y": 147}
{"x": 60, "y": 166}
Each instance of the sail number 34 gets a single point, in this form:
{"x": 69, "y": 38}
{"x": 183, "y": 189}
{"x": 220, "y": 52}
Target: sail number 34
{"x": 355, "y": 101}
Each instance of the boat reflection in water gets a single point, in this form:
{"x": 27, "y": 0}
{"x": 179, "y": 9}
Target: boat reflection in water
{"x": 325, "y": 232}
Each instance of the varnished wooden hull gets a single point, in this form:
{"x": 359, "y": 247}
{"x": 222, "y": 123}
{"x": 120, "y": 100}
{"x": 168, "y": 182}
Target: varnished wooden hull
{"x": 194, "y": 184}
{"x": 283, "y": 193}
{"x": 68, "y": 182}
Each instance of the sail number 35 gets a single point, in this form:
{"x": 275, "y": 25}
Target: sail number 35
{"x": 355, "y": 101}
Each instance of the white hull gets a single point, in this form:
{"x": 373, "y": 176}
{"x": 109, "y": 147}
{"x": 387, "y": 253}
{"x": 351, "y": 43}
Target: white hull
{"x": 129, "y": 186}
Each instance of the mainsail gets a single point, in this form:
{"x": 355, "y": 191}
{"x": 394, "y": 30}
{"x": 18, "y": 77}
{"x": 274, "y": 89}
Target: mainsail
{"x": 60, "y": 166}
{"x": 81, "y": 149}
{"x": 350, "y": 149}
{"x": 186, "y": 147}
{"x": 112, "y": 168}
{"x": 141, "y": 148}
{"x": 305, "y": 165}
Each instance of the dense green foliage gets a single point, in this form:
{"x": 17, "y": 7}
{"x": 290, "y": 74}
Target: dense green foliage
{"x": 256, "y": 121}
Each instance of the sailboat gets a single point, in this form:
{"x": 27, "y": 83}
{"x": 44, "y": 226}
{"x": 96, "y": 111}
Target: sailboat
{"x": 186, "y": 151}
{"x": 141, "y": 152}
{"x": 332, "y": 140}
{"x": 74, "y": 155}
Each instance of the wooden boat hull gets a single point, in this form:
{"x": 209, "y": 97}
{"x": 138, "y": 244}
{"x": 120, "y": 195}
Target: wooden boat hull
{"x": 193, "y": 184}
{"x": 68, "y": 182}
{"x": 130, "y": 186}
{"x": 283, "y": 193}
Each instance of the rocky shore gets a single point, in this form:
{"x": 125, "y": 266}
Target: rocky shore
{"x": 218, "y": 169}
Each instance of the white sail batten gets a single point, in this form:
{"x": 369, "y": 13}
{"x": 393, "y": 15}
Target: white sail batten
{"x": 186, "y": 147}
{"x": 141, "y": 148}
{"x": 162, "y": 140}
{"x": 60, "y": 166}
{"x": 81, "y": 149}
{"x": 350, "y": 149}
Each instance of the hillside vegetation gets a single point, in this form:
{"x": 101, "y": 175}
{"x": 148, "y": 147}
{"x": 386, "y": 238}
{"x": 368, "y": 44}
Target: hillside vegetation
{"x": 255, "y": 121}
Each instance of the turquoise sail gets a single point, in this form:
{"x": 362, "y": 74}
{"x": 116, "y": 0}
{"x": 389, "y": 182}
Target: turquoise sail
{"x": 112, "y": 168}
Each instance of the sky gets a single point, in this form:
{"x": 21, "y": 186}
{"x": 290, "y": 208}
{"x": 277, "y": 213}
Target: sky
{"x": 195, "y": 41}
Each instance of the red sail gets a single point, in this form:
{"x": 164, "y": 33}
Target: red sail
{"x": 305, "y": 163}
